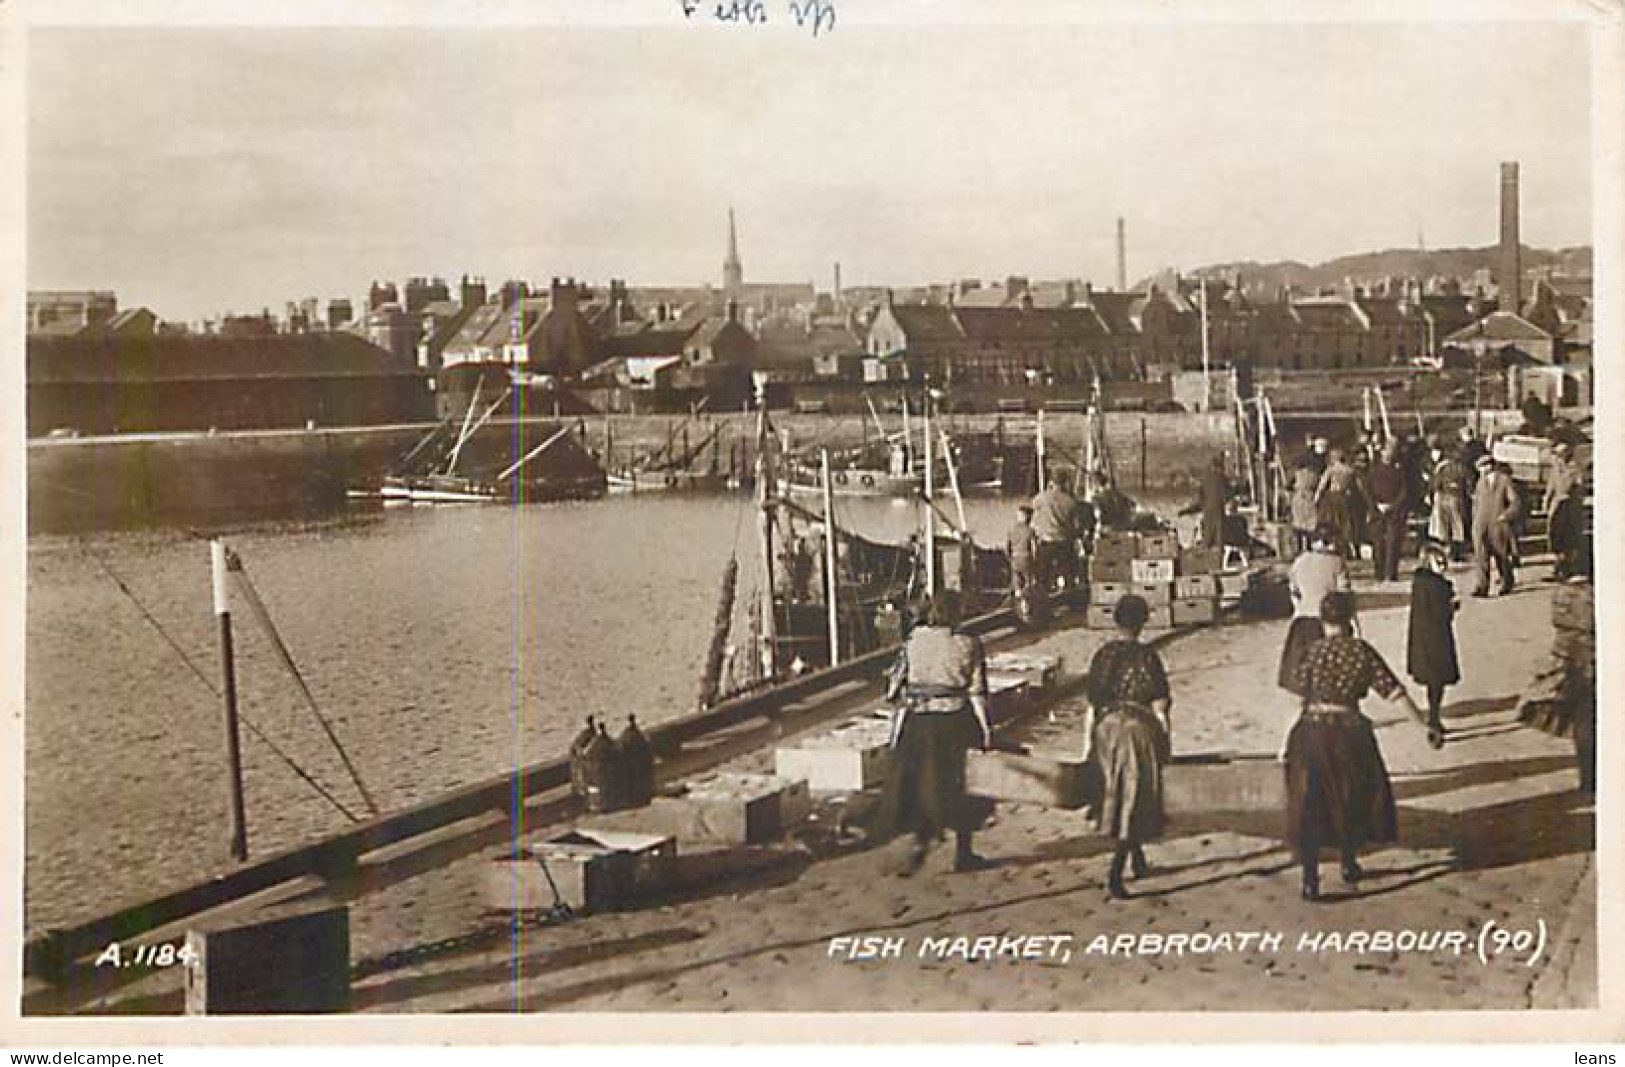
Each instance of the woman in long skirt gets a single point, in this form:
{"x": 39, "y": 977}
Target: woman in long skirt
{"x": 1338, "y": 793}
{"x": 1305, "y": 515}
{"x": 941, "y": 679}
{"x": 1129, "y": 739}
{"x": 1313, "y": 576}
{"x": 1430, "y": 648}
{"x": 1447, "y": 521}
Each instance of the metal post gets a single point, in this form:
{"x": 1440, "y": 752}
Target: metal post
{"x": 228, "y": 692}
{"x": 829, "y": 566}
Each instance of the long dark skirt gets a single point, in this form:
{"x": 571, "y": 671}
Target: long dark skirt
{"x": 1300, "y": 638}
{"x": 1338, "y": 793}
{"x": 1130, "y": 747}
{"x": 925, "y": 791}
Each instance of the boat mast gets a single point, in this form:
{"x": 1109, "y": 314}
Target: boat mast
{"x": 1040, "y": 450}
{"x": 908, "y": 440}
{"x": 829, "y": 567}
{"x": 764, "y": 497}
{"x": 930, "y": 506}
{"x": 533, "y": 453}
{"x": 462, "y": 435}
{"x": 1207, "y": 382}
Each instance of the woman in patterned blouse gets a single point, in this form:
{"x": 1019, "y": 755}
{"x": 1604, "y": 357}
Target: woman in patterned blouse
{"x": 940, "y": 678}
{"x": 1129, "y": 741}
{"x": 1338, "y": 791}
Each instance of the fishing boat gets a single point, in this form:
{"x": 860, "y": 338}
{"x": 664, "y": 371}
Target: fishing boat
{"x": 677, "y": 465}
{"x": 467, "y": 468}
{"x": 828, "y": 593}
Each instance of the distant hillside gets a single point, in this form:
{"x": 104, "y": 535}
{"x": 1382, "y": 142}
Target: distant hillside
{"x": 1399, "y": 262}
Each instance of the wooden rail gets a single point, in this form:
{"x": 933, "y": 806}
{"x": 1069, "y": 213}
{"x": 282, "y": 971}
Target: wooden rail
{"x": 50, "y": 954}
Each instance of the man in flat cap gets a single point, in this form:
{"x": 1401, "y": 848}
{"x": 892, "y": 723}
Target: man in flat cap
{"x": 1495, "y": 517}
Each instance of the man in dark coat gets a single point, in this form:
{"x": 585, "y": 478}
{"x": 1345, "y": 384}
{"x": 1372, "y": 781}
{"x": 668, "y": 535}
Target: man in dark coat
{"x": 1430, "y": 652}
{"x": 1390, "y": 500}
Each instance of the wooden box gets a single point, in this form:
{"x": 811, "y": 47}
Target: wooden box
{"x": 1038, "y": 671}
{"x": 652, "y": 854}
{"x": 1194, "y": 561}
{"x": 1189, "y": 586}
{"x": 295, "y": 965}
{"x": 1110, "y": 570}
{"x": 1053, "y": 779}
{"x": 1099, "y": 617}
{"x": 1234, "y": 586}
{"x": 1109, "y": 593}
{"x": 1161, "y": 617}
{"x": 732, "y": 809}
{"x": 590, "y": 877}
{"x": 1193, "y": 610}
{"x": 1157, "y": 546}
{"x": 1116, "y": 545}
{"x": 1156, "y": 594}
{"x": 1204, "y": 785}
{"x": 848, "y": 759}
{"x": 1152, "y": 570}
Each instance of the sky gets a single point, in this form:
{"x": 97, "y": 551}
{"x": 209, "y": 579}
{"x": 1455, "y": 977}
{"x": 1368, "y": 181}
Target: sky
{"x": 196, "y": 171}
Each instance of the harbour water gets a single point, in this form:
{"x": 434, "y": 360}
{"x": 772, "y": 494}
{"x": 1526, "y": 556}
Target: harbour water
{"x": 445, "y": 645}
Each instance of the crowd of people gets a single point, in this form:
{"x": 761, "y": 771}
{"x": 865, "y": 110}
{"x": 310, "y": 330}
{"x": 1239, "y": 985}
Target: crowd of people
{"x": 1339, "y": 794}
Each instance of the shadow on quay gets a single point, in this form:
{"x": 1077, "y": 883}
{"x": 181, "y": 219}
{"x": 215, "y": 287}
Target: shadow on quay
{"x": 516, "y": 968}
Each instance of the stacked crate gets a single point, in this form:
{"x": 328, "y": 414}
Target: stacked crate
{"x": 1180, "y": 586}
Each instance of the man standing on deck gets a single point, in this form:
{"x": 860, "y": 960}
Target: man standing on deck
{"x": 1025, "y": 577}
{"x": 1390, "y": 499}
{"x": 1055, "y": 522}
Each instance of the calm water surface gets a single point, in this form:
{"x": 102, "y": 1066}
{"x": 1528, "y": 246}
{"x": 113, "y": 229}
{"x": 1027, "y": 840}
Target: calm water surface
{"x": 446, "y": 645}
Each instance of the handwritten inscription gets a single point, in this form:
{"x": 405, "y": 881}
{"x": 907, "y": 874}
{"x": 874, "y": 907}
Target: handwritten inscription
{"x": 817, "y": 17}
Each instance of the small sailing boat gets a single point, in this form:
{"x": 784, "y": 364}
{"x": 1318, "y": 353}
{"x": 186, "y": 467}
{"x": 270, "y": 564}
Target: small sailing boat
{"x": 475, "y": 470}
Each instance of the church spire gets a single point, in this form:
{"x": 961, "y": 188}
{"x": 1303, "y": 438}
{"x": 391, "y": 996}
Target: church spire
{"x": 733, "y": 272}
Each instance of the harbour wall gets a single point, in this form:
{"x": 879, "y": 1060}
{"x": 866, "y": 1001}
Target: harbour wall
{"x": 145, "y": 479}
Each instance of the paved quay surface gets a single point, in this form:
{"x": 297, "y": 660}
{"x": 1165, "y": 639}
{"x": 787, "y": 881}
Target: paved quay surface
{"x": 1491, "y": 832}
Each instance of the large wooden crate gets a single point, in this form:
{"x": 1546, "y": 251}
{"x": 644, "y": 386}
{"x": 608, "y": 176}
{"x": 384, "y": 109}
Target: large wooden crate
{"x": 732, "y": 809}
{"x": 588, "y": 876}
{"x": 1048, "y": 777}
{"x": 1156, "y": 594}
{"x": 1188, "y": 586}
{"x": 1152, "y": 570}
{"x": 1157, "y": 546}
{"x": 1116, "y": 545}
{"x": 1201, "y": 560}
{"x": 1192, "y": 611}
{"x": 1111, "y": 570}
{"x": 1204, "y": 785}
{"x": 848, "y": 759}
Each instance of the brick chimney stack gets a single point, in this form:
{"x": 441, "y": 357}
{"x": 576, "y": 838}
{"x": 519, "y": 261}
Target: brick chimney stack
{"x": 1510, "y": 276}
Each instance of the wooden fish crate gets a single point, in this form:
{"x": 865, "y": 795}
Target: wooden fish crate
{"x": 1116, "y": 545}
{"x": 590, "y": 877}
{"x": 732, "y": 809}
{"x": 1039, "y": 672}
{"x": 1145, "y": 571}
{"x": 1109, "y": 593}
{"x": 1197, "y": 561}
{"x": 1189, "y": 586}
{"x": 1049, "y": 777}
{"x": 849, "y": 759}
{"x": 1156, "y": 594}
{"x": 1192, "y": 611}
{"x": 1157, "y": 546}
{"x": 1208, "y": 784}
{"x": 1110, "y": 570}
